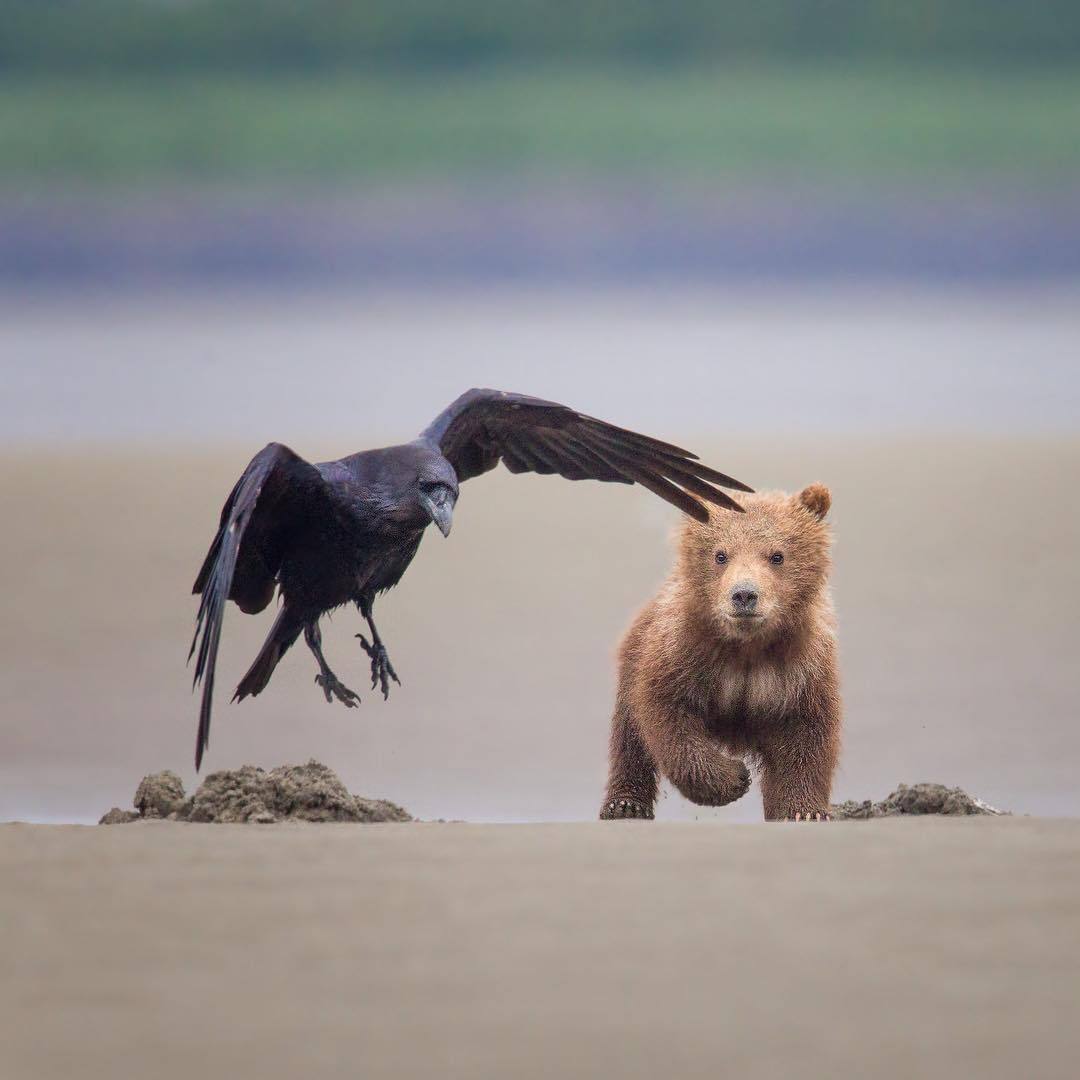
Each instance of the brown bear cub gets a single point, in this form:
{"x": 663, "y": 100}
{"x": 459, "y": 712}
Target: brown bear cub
{"x": 735, "y": 657}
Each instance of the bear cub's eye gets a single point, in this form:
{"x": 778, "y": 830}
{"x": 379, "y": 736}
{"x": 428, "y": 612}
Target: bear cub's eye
{"x": 776, "y": 557}
{"x": 721, "y": 557}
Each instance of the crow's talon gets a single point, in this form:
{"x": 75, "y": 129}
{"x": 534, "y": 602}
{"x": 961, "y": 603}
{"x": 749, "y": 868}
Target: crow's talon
{"x": 333, "y": 687}
{"x": 382, "y": 671}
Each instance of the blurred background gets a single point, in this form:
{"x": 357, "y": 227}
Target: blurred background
{"x": 833, "y": 241}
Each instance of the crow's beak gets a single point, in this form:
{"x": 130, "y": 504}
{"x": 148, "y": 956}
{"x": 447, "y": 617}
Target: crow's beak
{"x": 440, "y": 507}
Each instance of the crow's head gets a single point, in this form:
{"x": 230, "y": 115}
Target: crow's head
{"x": 437, "y": 486}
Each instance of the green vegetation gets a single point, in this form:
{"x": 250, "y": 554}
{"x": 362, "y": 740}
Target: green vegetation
{"x": 875, "y": 122}
{"x": 71, "y": 36}
{"x": 149, "y": 91}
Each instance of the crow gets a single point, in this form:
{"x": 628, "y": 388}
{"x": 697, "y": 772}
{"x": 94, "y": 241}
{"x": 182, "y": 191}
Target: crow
{"x": 344, "y": 531}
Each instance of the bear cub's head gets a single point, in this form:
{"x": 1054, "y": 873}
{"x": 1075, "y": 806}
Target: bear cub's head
{"x": 759, "y": 574}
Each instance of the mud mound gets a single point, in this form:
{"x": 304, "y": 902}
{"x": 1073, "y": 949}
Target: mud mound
{"x": 916, "y": 799}
{"x": 159, "y": 795}
{"x": 250, "y": 795}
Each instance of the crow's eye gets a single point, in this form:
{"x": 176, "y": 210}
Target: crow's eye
{"x": 721, "y": 557}
{"x": 776, "y": 557}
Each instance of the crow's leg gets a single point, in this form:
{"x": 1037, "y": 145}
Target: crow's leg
{"x": 331, "y": 685}
{"x": 382, "y": 671}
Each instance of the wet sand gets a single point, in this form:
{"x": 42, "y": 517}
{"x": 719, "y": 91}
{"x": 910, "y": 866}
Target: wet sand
{"x": 954, "y": 582}
{"x": 944, "y": 421}
{"x": 946, "y": 430}
{"x": 898, "y": 948}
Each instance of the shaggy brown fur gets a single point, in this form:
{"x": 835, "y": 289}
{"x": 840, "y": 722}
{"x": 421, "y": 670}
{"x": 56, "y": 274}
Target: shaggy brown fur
{"x": 735, "y": 657}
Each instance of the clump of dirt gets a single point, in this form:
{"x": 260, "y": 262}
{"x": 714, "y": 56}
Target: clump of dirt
{"x": 232, "y": 795}
{"x": 312, "y": 792}
{"x": 915, "y": 799}
{"x": 159, "y": 795}
{"x": 250, "y": 795}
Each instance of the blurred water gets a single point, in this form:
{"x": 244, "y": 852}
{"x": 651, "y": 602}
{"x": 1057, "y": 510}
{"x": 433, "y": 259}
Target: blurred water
{"x": 360, "y": 368}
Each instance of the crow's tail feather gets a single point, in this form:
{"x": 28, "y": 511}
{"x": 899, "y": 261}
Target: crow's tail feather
{"x": 283, "y": 633}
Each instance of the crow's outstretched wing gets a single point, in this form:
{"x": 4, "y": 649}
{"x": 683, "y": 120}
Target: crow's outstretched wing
{"x": 277, "y": 495}
{"x": 484, "y": 427}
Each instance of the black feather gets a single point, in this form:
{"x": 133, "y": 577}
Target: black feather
{"x": 274, "y": 467}
{"x": 682, "y": 473}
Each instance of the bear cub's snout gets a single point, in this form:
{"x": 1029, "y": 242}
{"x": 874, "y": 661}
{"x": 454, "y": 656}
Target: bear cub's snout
{"x": 744, "y": 599}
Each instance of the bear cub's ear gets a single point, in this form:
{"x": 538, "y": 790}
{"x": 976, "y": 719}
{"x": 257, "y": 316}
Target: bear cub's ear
{"x": 817, "y": 499}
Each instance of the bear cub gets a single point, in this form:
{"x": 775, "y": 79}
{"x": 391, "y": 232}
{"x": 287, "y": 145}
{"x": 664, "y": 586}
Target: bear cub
{"x": 734, "y": 658}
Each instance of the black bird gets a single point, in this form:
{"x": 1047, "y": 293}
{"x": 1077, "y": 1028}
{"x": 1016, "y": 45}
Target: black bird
{"x": 345, "y": 531}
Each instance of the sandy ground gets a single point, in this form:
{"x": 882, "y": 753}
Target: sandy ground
{"x": 947, "y": 431}
{"x": 944, "y": 421}
{"x": 930, "y": 948}
{"x": 954, "y": 581}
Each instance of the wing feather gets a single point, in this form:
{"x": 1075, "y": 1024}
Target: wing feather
{"x": 527, "y": 454}
{"x": 618, "y": 437}
{"x": 684, "y": 473}
{"x": 634, "y": 438}
{"x": 655, "y": 482}
{"x": 580, "y": 462}
{"x": 513, "y": 461}
{"x": 484, "y": 427}
{"x": 548, "y": 460}
{"x": 274, "y": 473}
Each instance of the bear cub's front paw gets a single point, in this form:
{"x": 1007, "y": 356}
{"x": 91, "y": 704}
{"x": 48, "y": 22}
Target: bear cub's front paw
{"x": 718, "y": 789}
{"x": 617, "y": 809}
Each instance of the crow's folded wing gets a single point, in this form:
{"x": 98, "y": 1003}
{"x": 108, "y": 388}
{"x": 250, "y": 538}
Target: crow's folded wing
{"x": 277, "y": 495}
{"x": 484, "y": 427}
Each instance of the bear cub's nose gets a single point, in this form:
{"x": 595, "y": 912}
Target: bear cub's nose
{"x": 744, "y": 598}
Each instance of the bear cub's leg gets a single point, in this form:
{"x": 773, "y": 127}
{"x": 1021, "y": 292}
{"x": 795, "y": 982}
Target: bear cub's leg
{"x": 663, "y": 738}
{"x": 797, "y": 772}
{"x": 687, "y": 753}
{"x": 631, "y": 789}
{"x": 698, "y": 767}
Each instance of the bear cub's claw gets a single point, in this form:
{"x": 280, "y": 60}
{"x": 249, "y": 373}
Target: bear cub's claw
{"x": 817, "y": 815}
{"x": 617, "y": 809}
